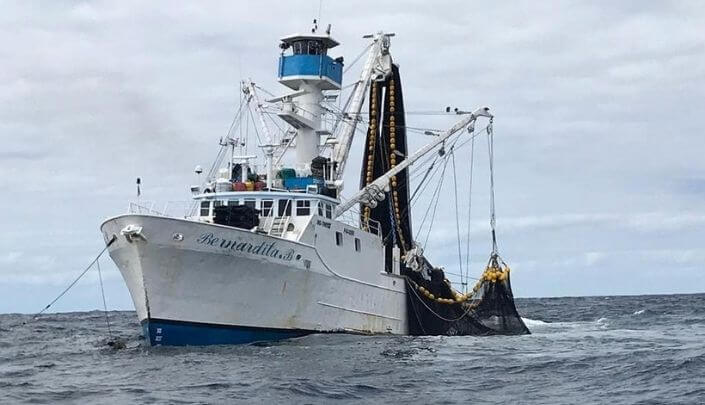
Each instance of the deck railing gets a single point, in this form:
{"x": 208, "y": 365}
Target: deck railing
{"x": 174, "y": 209}
{"x": 354, "y": 219}
{"x": 189, "y": 209}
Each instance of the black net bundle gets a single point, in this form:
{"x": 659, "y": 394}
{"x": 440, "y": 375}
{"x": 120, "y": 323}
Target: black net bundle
{"x": 238, "y": 216}
{"x": 434, "y": 307}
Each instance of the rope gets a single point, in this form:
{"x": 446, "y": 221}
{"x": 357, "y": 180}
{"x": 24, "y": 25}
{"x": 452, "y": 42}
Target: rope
{"x": 364, "y": 51}
{"x": 467, "y": 247}
{"x": 393, "y": 229}
{"x": 435, "y": 196}
{"x": 102, "y": 293}
{"x": 77, "y": 278}
{"x": 493, "y": 222}
{"x": 422, "y": 180}
{"x": 457, "y": 222}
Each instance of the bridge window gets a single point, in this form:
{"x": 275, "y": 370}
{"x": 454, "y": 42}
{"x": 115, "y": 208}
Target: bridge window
{"x": 284, "y": 208}
{"x": 250, "y": 203}
{"x": 234, "y": 202}
{"x": 339, "y": 239}
{"x": 303, "y": 208}
{"x": 320, "y": 208}
{"x": 314, "y": 48}
{"x": 308, "y": 47}
{"x": 205, "y": 208}
{"x": 329, "y": 211}
{"x": 267, "y": 207}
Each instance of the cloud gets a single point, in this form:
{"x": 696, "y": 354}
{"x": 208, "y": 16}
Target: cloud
{"x": 598, "y": 129}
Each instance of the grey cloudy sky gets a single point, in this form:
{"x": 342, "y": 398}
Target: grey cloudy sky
{"x": 599, "y": 127}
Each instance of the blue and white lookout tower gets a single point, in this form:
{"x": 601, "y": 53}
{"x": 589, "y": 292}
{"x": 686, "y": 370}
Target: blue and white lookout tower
{"x": 306, "y": 68}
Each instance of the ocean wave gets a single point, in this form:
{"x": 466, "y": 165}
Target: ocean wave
{"x": 603, "y": 323}
{"x": 578, "y": 344}
{"x": 534, "y": 322}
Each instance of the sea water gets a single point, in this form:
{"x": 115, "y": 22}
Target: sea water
{"x": 616, "y": 350}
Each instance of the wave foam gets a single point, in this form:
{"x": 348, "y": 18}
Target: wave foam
{"x": 533, "y": 322}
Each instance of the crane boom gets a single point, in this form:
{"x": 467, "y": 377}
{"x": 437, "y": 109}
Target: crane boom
{"x": 375, "y": 190}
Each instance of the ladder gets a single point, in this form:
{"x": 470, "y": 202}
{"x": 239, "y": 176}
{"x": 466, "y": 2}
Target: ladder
{"x": 278, "y": 226}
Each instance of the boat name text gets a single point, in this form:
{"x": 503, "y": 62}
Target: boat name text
{"x": 267, "y": 249}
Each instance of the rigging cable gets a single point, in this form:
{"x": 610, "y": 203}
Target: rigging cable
{"x": 102, "y": 293}
{"x": 467, "y": 247}
{"x": 436, "y": 197}
{"x": 254, "y": 126}
{"x": 426, "y": 180}
{"x": 493, "y": 223}
{"x": 112, "y": 240}
{"x": 457, "y": 223}
{"x": 357, "y": 58}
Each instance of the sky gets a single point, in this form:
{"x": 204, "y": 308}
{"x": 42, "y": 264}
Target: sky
{"x": 600, "y": 176}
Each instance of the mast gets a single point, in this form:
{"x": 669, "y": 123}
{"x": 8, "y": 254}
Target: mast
{"x": 267, "y": 148}
{"x": 377, "y": 66}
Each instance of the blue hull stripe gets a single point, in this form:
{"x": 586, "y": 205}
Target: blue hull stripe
{"x": 177, "y": 333}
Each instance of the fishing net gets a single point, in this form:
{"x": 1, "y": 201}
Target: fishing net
{"x": 434, "y": 307}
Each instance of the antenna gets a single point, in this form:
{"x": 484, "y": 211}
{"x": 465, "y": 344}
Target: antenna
{"x": 320, "y": 7}
{"x": 139, "y": 192}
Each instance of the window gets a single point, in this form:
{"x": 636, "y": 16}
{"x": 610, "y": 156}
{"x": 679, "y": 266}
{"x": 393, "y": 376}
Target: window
{"x": 303, "y": 208}
{"x": 314, "y": 48}
{"x": 357, "y": 245}
{"x": 205, "y": 208}
{"x": 218, "y": 203}
{"x": 339, "y": 239}
{"x": 250, "y": 203}
{"x": 267, "y": 207}
{"x": 320, "y": 208}
{"x": 284, "y": 208}
{"x": 329, "y": 211}
{"x": 234, "y": 202}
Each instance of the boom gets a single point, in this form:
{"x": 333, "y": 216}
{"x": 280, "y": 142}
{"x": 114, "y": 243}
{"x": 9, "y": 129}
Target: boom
{"x": 374, "y": 192}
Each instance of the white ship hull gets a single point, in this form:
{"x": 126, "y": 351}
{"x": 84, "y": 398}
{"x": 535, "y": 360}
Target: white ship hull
{"x": 198, "y": 283}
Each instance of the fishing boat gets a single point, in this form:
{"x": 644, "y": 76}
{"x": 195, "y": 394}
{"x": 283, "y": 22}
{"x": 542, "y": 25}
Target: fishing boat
{"x": 269, "y": 248}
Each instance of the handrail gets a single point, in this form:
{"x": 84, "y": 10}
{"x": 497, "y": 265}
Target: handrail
{"x": 135, "y": 208}
{"x": 287, "y": 217}
{"x": 147, "y": 207}
{"x": 366, "y": 225}
{"x": 269, "y": 218}
{"x": 190, "y": 210}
